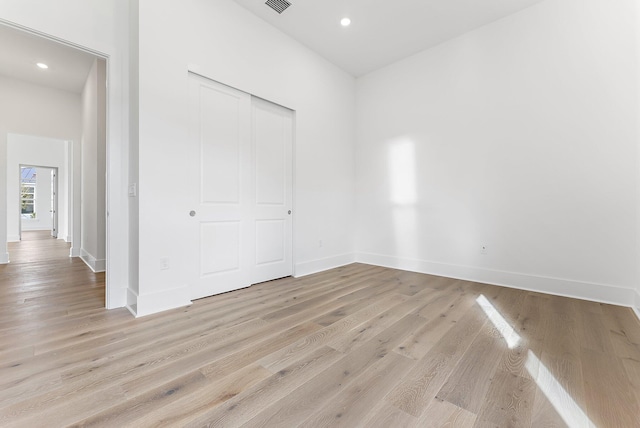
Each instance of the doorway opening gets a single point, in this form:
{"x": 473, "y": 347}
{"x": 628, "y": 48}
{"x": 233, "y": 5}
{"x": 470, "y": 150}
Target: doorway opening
{"x": 38, "y": 204}
{"x": 68, "y": 104}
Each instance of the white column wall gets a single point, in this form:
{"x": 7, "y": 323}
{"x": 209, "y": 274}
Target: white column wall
{"x": 134, "y": 110}
{"x": 93, "y": 169}
{"x": 637, "y": 73}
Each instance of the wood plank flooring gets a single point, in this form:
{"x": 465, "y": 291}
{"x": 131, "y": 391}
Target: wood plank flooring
{"x": 357, "y": 346}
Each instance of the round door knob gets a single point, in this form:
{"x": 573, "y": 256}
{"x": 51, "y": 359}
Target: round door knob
{"x": 192, "y": 213}
{"x": 289, "y": 212}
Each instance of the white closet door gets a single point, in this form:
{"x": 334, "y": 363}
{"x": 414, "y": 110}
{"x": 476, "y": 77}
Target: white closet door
{"x": 272, "y": 137}
{"x": 221, "y": 236}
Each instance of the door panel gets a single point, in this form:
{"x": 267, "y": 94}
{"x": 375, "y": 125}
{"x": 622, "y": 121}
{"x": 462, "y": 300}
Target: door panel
{"x": 273, "y": 146}
{"x": 241, "y": 185}
{"x": 270, "y": 238}
{"x": 220, "y": 148}
{"x": 220, "y": 247}
{"x": 270, "y": 145}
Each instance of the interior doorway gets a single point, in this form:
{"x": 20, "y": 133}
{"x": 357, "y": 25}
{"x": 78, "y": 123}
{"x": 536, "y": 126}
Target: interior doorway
{"x": 64, "y": 100}
{"x": 39, "y": 187}
{"x": 38, "y": 204}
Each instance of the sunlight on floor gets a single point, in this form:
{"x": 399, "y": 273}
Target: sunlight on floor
{"x": 561, "y": 400}
{"x": 508, "y": 333}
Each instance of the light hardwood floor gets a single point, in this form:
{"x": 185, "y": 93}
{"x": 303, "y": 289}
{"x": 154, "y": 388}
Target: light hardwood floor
{"x": 358, "y": 346}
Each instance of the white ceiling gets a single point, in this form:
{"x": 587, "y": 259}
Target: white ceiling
{"x": 20, "y": 51}
{"x": 381, "y": 31}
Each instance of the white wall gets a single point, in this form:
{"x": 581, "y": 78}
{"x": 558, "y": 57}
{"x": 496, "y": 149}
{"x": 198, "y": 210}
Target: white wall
{"x": 29, "y": 150}
{"x": 102, "y": 26}
{"x": 46, "y": 113}
{"x": 93, "y": 168}
{"x": 520, "y": 136}
{"x": 637, "y": 68}
{"x": 134, "y": 158}
{"x": 225, "y": 42}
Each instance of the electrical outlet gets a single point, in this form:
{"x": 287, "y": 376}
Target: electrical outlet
{"x": 484, "y": 250}
{"x": 164, "y": 263}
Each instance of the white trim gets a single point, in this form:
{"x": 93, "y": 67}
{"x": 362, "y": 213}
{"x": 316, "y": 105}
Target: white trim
{"x": 96, "y": 265}
{"x": 4, "y": 259}
{"x": 133, "y": 309}
{"x": 100, "y": 265}
{"x": 147, "y": 304}
{"x": 636, "y": 307}
{"x": 560, "y": 287}
{"x": 75, "y": 252}
{"x": 13, "y": 238}
{"x": 320, "y": 265}
{"x": 132, "y": 302}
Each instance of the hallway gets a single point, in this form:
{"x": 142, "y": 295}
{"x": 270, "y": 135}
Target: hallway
{"x": 43, "y": 286}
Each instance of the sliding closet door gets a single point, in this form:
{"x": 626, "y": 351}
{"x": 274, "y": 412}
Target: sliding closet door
{"x": 221, "y": 226}
{"x": 272, "y": 127}
{"x": 241, "y": 189}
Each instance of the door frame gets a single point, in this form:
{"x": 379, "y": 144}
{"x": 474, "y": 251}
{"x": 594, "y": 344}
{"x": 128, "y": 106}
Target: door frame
{"x": 54, "y": 204}
{"x": 109, "y": 287}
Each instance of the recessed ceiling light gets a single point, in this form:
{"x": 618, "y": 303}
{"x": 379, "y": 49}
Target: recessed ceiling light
{"x": 42, "y": 65}
{"x": 345, "y": 22}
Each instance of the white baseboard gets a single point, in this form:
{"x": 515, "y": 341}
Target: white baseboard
{"x": 67, "y": 239}
{"x": 636, "y": 307}
{"x": 4, "y": 258}
{"x": 116, "y": 297}
{"x": 96, "y": 265}
{"x": 132, "y": 302}
{"x": 147, "y": 304}
{"x": 74, "y": 252}
{"x": 13, "y": 238}
{"x": 561, "y": 287}
{"x": 133, "y": 309}
{"x": 315, "y": 266}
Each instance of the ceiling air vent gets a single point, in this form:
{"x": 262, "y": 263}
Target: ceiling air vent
{"x": 278, "y": 5}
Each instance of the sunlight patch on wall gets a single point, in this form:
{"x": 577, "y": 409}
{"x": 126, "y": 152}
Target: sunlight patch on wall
{"x": 402, "y": 172}
{"x": 403, "y": 196}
